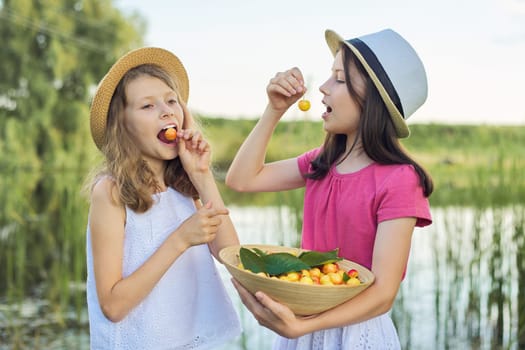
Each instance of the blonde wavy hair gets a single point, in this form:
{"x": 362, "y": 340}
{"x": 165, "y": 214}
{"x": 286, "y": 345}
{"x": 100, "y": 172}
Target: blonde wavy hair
{"x": 133, "y": 179}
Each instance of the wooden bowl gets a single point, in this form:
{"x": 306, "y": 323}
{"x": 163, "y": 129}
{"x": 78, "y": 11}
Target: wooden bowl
{"x": 302, "y": 299}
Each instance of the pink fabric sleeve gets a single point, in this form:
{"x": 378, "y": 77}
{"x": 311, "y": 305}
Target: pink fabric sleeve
{"x": 303, "y": 161}
{"x": 401, "y": 196}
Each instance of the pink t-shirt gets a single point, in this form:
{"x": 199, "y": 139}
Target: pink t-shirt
{"x": 343, "y": 210}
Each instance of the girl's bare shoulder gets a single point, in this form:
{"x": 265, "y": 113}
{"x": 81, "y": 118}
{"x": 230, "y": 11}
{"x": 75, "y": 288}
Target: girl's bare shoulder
{"x": 105, "y": 190}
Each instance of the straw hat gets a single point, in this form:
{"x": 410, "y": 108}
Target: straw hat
{"x": 147, "y": 55}
{"x": 386, "y": 54}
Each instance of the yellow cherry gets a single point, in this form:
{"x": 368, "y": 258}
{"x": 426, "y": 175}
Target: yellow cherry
{"x": 335, "y": 278}
{"x": 170, "y": 134}
{"x": 306, "y": 280}
{"x": 304, "y": 105}
{"x": 353, "y": 281}
{"x": 326, "y": 280}
{"x": 293, "y": 276}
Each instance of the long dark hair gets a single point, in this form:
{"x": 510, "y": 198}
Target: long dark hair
{"x": 376, "y": 131}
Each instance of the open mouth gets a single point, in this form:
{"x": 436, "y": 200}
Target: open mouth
{"x": 168, "y": 134}
{"x": 327, "y": 112}
{"x": 328, "y": 109}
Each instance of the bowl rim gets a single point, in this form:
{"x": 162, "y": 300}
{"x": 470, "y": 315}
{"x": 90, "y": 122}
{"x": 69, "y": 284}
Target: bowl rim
{"x": 369, "y": 273}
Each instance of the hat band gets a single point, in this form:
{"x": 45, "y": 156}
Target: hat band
{"x": 377, "y": 67}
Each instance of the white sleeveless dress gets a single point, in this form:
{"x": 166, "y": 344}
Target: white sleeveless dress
{"x": 377, "y": 333}
{"x": 188, "y": 308}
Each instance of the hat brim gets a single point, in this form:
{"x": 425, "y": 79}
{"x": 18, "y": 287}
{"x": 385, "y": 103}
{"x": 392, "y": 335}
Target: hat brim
{"x": 334, "y": 41}
{"x": 105, "y": 90}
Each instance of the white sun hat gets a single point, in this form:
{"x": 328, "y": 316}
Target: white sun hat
{"x": 391, "y": 62}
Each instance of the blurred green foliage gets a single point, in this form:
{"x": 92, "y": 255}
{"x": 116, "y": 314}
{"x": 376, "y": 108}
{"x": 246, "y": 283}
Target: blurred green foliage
{"x": 470, "y": 164}
{"x": 53, "y": 54}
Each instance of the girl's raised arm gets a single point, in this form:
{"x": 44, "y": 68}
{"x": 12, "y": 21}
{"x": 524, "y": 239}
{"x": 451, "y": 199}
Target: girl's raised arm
{"x": 248, "y": 171}
{"x": 195, "y": 154}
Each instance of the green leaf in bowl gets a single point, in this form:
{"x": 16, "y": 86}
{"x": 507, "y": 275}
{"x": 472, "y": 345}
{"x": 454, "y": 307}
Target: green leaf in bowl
{"x": 251, "y": 261}
{"x": 278, "y": 263}
{"x": 314, "y": 258}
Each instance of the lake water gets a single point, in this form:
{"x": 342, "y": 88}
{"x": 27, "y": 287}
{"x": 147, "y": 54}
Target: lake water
{"x": 444, "y": 301}
{"x": 461, "y": 291}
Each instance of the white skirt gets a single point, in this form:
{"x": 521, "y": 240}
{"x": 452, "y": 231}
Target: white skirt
{"x": 376, "y": 333}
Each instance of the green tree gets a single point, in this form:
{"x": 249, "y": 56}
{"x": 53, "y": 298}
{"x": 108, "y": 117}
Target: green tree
{"x": 53, "y": 53}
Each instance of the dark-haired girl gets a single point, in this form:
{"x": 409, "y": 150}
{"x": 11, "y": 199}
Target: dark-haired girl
{"x": 364, "y": 194}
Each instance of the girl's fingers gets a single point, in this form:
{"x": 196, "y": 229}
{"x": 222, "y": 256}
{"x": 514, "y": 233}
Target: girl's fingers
{"x": 275, "y": 307}
{"x": 296, "y": 73}
{"x": 281, "y": 83}
{"x": 296, "y": 84}
{"x": 196, "y": 139}
{"x": 203, "y": 146}
{"x": 212, "y": 211}
{"x": 186, "y": 134}
{"x": 279, "y": 89}
{"x": 197, "y": 142}
{"x": 215, "y": 212}
{"x": 288, "y": 83}
{"x": 190, "y": 135}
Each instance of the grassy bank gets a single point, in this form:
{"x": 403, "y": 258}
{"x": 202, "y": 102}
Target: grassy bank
{"x": 470, "y": 164}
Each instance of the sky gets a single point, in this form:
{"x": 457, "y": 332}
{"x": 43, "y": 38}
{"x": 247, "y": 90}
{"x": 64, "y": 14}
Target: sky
{"x": 473, "y": 51}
